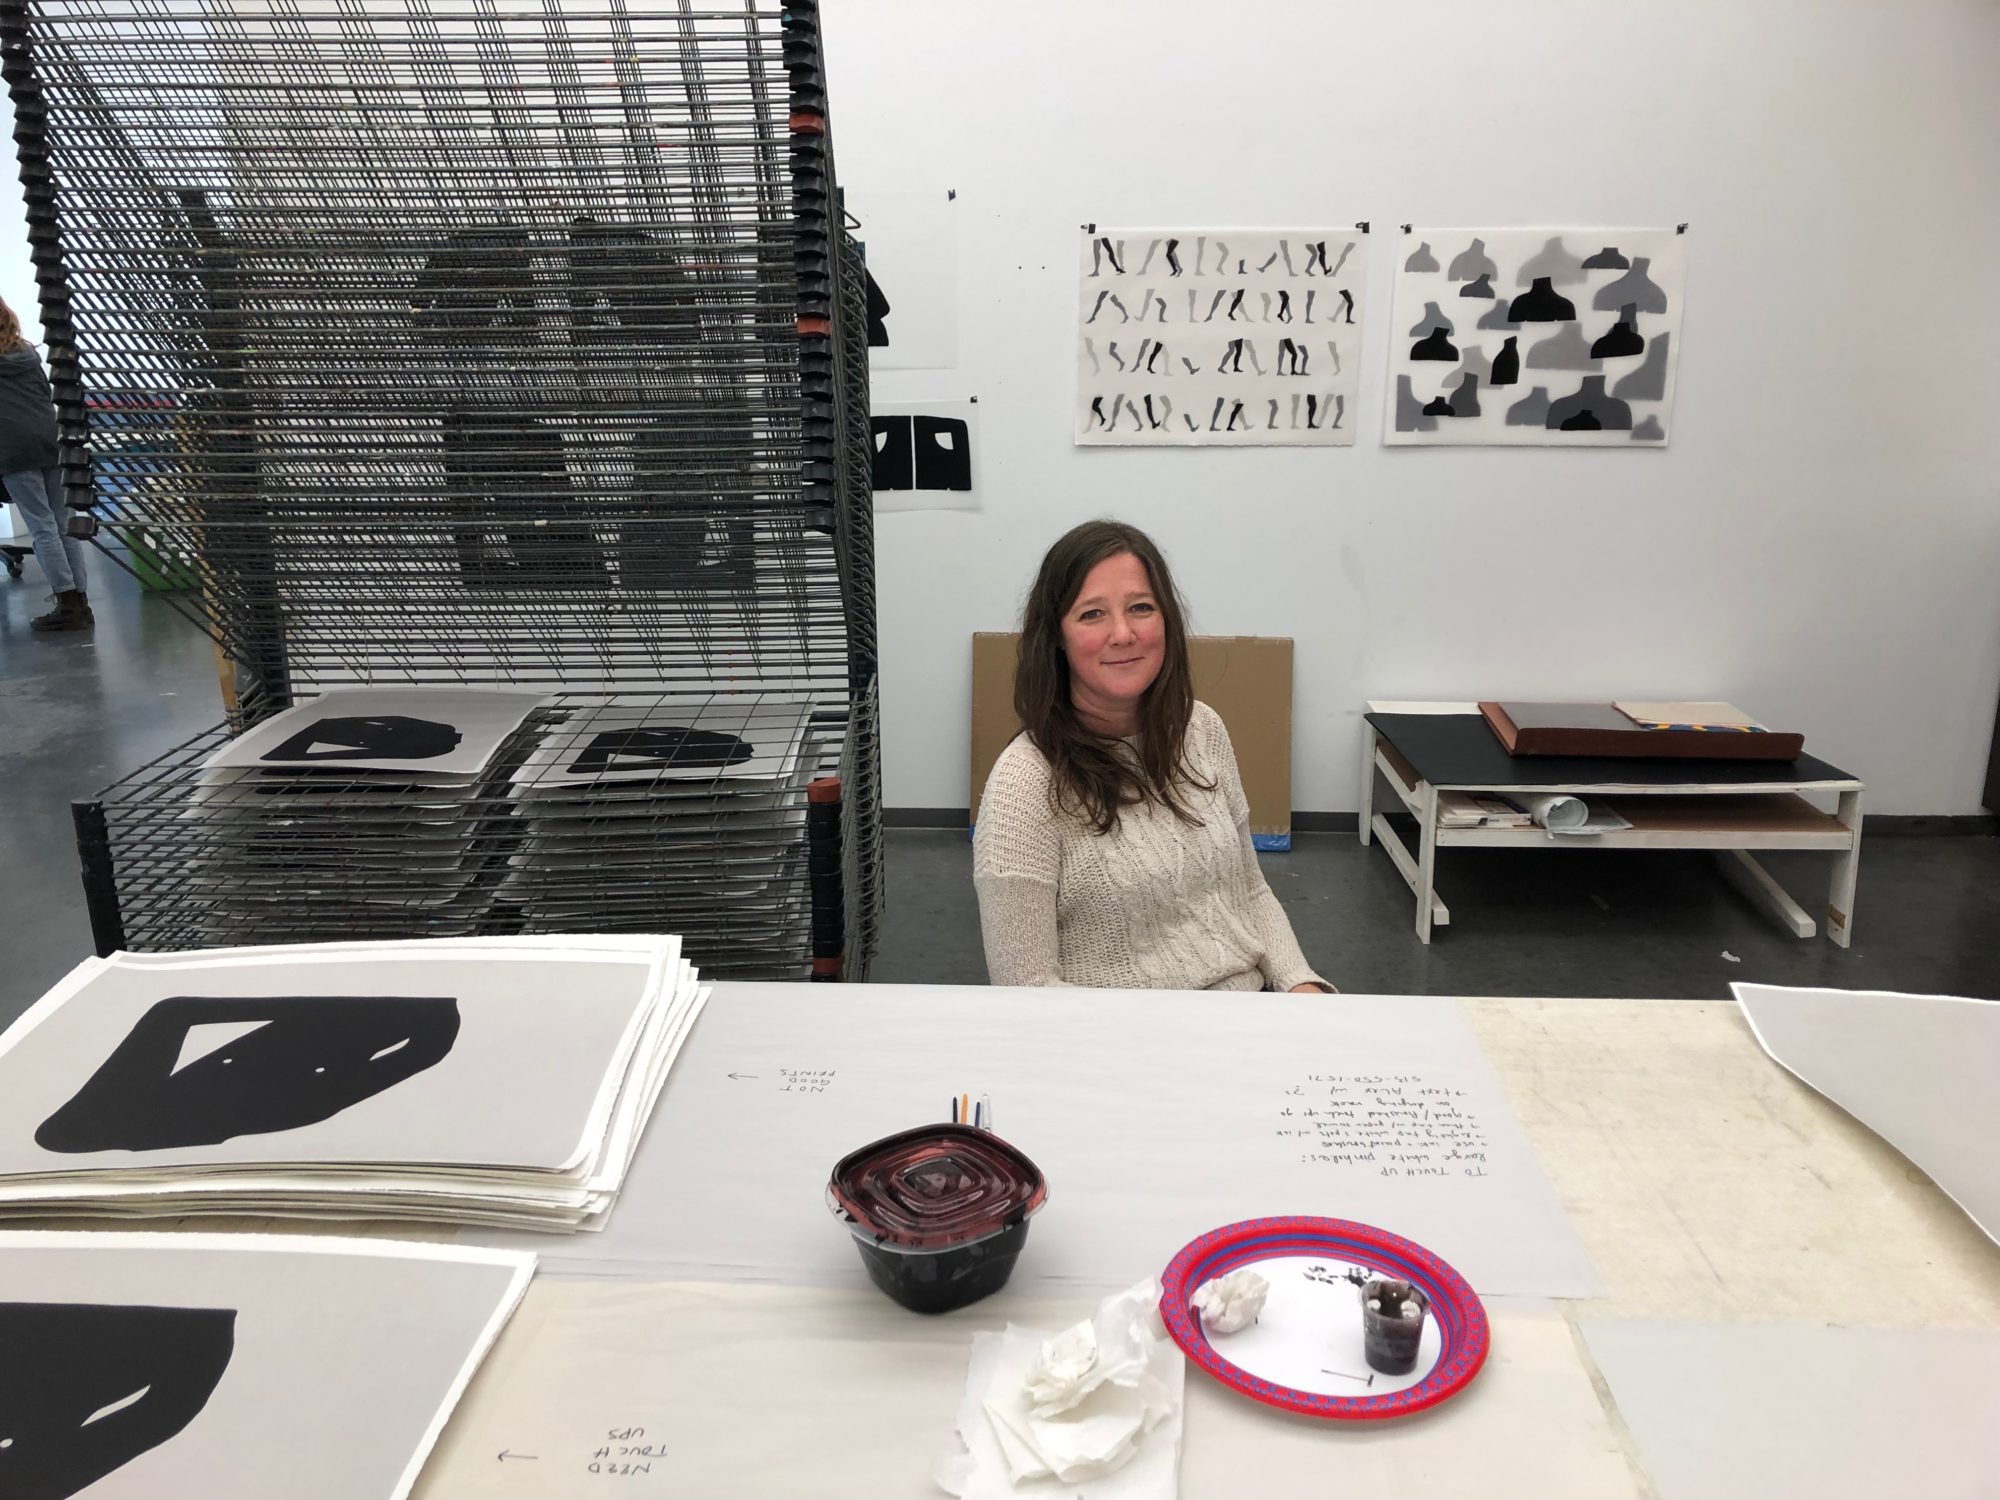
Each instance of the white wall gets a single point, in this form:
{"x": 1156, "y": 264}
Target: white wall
{"x": 17, "y": 275}
{"x": 1821, "y": 543}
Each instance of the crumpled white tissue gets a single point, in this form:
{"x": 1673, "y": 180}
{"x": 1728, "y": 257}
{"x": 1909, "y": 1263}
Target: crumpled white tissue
{"x": 1097, "y": 1405}
{"x": 1061, "y": 1374}
{"x": 1231, "y": 1302}
{"x": 1111, "y": 1345}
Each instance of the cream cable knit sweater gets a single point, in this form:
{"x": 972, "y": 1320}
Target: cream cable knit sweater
{"x": 1154, "y": 904}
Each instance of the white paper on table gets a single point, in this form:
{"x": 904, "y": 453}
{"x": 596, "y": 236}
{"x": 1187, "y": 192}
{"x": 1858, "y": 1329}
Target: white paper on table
{"x": 745, "y": 1392}
{"x": 1918, "y": 1070}
{"x": 1750, "y": 1411}
{"x": 1155, "y": 1115}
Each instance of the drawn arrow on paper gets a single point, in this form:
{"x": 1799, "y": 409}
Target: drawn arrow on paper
{"x": 531, "y": 1457}
{"x": 743, "y": 1075}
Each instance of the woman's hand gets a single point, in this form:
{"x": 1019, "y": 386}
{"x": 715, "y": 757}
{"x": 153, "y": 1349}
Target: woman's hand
{"x": 1309, "y": 988}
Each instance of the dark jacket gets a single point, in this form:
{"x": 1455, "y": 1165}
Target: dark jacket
{"x": 27, "y": 413}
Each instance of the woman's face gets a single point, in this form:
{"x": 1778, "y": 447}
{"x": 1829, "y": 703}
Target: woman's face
{"x": 1114, "y": 634}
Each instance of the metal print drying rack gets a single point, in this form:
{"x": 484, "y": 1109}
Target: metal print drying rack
{"x": 467, "y": 342}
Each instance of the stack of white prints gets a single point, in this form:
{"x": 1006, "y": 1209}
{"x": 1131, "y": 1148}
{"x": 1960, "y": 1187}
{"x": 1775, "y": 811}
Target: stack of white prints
{"x": 474, "y": 1081}
{"x": 365, "y": 802}
{"x": 1480, "y": 810}
{"x": 187, "y": 1366}
{"x": 688, "y": 810}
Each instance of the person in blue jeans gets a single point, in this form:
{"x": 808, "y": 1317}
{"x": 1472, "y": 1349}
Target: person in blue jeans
{"x": 33, "y": 482}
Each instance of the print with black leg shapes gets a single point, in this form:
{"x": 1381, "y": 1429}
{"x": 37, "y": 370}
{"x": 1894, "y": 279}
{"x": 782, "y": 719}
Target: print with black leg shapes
{"x": 263, "y": 1066}
{"x": 658, "y": 747}
{"x": 377, "y": 737}
{"x": 85, "y": 1389}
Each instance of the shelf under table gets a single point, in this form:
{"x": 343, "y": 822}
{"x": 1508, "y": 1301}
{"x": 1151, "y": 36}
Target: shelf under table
{"x": 1781, "y": 820}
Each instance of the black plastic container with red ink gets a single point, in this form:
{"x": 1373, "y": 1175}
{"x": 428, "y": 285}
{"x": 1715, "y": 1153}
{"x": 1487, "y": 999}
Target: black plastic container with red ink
{"x": 939, "y": 1213}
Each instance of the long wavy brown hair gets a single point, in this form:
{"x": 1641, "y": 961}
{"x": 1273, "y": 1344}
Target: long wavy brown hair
{"x": 11, "y": 336}
{"x": 1095, "y": 775}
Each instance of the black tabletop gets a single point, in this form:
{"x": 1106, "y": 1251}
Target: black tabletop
{"x": 1461, "y": 750}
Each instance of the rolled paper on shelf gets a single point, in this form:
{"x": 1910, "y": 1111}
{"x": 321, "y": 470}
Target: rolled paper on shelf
{"x": 1556, "y": 812}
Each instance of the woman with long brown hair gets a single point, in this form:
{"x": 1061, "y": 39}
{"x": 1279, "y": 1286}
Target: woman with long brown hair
{"x": 1112, "y": 846}
{"x": 32, "y": 481}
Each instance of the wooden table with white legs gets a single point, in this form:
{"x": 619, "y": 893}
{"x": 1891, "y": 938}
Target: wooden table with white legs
{"x": 1733, "y": 807}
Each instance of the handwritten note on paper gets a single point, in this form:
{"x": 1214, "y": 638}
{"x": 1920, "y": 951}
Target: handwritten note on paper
{"x": 1393, "y": 1124}
{"x": 625, "y": 1453}
{"x": 1154, "y": 1115}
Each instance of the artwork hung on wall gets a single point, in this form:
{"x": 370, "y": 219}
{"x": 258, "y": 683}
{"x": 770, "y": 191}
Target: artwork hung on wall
{"x": 924, "y": 454}
{"x": 909, "y": 245}
{"x": 182, "y": 1366}
{"x": 1230, "y": 337}
{"x": 1535, "y": 336}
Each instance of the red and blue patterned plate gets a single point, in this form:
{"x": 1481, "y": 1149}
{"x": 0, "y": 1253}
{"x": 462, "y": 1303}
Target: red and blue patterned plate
{"x": 1304, "y": 1354}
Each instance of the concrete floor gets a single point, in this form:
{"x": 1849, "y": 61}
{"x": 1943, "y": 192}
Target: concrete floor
{"x": 76, "y": 713}
{"x": 79, "y": 712}
{"x": 1614, "y": 923}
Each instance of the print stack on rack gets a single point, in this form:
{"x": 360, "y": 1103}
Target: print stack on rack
{"x": 361, "y": 805}
{"x": 471, "y": 1081}
{"x": 631, "y": 805}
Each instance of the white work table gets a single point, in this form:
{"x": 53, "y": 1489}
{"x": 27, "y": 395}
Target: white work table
{"x": 1705, "y": 1184}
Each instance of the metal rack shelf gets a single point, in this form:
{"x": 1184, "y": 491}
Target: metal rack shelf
{"x": 465, "y": 341}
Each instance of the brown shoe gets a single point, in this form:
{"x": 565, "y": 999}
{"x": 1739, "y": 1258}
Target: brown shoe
{"x": 72, "y": 612}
